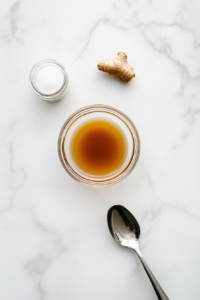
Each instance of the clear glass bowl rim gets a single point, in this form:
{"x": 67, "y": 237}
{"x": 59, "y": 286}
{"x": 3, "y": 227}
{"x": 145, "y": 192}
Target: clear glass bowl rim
{"x": 99, "y": 108}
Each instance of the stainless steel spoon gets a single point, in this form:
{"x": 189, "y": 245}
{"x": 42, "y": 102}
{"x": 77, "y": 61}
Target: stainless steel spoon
{"x": 125, "y": 230}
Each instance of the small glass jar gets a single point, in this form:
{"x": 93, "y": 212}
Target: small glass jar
{"x": 53, "y": 94}
{"x": 98, "y": 111}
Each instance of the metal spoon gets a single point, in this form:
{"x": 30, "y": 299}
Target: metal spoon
{"x": 125, "y": 230}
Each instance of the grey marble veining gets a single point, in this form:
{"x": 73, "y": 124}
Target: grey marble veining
{"x": 54, "y": 241}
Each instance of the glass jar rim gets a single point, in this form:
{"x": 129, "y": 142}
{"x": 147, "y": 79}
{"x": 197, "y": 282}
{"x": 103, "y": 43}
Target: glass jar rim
{"x": 34, "y": 71}
{"x": 99, "y": 108}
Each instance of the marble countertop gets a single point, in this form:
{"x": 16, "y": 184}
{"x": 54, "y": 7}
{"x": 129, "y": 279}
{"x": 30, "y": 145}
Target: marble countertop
{"x": 54, "y": 240}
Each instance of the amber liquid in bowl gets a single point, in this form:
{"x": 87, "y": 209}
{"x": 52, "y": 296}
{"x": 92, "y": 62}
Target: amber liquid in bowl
{"x": 99, "y": 147}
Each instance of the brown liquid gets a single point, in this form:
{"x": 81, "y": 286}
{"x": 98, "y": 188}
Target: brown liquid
{"x": 99, "y": 147}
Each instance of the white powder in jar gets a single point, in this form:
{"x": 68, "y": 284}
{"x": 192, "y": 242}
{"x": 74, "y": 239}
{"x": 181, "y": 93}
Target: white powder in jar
{"x": 49, "y": 80}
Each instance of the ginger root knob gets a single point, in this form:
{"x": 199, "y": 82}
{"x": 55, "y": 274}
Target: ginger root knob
{"x": 117, "y": 66}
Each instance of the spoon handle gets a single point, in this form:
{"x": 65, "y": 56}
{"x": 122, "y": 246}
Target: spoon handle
{"x": 159, "y": 291}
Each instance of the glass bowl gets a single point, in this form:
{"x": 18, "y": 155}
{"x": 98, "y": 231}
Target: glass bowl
{"x": 98, "y": 111}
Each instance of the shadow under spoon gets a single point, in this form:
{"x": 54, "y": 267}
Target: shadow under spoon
{"x": 125, "y": 230}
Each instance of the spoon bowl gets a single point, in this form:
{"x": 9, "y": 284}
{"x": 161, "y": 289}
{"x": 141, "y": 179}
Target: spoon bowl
{"x": 123, "y": 227}
{"x": 125, "y": 230}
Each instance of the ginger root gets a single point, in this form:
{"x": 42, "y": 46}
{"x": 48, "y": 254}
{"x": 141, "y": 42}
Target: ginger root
{"x": 117, "y": 66}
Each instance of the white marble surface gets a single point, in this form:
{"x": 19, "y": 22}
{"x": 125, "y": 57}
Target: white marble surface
{"x": 54, "y": 241}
